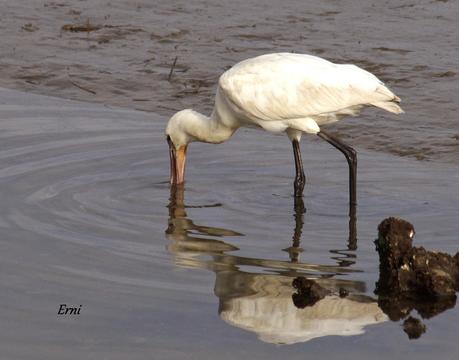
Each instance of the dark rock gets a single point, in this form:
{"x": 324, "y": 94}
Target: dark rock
{"x": 456, "y": 258}
{"x": 398, "y": 306}
{"x": 413, "y": 278}
{"x": 308, "y": 292}
{"x": 408, "y": 269}
{"x": 414, "y": 327}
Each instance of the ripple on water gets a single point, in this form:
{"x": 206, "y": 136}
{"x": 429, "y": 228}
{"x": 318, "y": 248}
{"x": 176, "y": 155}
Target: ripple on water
{"x": 87, "y": 192}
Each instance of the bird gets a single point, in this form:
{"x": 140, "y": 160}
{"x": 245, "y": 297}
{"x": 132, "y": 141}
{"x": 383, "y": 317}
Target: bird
{"x": 287, "y": 93}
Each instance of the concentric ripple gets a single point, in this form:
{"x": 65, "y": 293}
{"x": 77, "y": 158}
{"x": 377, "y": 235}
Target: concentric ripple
{"x": 87, "y": 215}
{"x": 96, "y": 178}
{"x": 92, "y": 188}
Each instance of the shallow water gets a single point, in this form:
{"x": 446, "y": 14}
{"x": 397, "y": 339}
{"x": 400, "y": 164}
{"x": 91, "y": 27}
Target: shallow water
{"x": 410, "y": 45}
{"x": 87, "y": 218}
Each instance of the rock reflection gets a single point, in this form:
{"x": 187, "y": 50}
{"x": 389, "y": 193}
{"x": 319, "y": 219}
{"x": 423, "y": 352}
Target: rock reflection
{"x": 261, "y": 301}
{"x": 413, "y": 278}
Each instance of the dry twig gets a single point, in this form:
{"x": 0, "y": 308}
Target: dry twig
{"x": 79, "y": 86}
{"x": 172, "y": 69}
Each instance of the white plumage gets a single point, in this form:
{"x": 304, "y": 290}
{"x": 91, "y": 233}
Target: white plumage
{"x": 284, "y": 92}
{"x": 284, "y": 87}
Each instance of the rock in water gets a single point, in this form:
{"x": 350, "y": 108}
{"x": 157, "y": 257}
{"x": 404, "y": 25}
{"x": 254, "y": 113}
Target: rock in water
{"x": 308, "y": 292}
{"x": 408, "y": 269}
{"x": 414, "y": 327}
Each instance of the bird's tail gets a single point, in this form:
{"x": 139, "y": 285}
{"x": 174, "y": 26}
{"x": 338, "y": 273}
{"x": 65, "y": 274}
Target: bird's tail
{"x": 391, "y": 103}
{"x": 390, "y": 106}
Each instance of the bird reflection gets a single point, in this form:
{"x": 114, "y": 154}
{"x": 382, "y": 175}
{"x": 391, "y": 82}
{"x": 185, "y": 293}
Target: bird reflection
{"x": 181, "y": 230}
{"x": 261, "y": 300}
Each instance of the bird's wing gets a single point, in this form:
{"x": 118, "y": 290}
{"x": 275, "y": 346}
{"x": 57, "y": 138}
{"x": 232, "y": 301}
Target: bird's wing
{"x": 290, "y": 86}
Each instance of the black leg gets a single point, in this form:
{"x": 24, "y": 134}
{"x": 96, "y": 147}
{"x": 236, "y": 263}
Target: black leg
{"x": 351, "y": 157}
{"x": 352, "y": 244}
{"x": 299, "y": 221}
{"x": 300, "y": 178}
{"x": 295, "y": 250}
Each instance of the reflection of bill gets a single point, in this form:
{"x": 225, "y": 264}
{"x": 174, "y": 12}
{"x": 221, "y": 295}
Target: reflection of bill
{"x": 262, "y": 302}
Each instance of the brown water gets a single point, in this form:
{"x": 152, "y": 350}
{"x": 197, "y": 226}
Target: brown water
{"x": 87, "y": 218}
{"x": 411, "y": 45}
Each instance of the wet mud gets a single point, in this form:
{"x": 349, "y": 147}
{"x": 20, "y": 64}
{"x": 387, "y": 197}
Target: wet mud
{"x": 123, "y": 53}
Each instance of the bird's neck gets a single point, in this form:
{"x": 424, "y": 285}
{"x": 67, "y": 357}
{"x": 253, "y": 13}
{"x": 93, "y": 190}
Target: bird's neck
{"x": 209, "y": 129}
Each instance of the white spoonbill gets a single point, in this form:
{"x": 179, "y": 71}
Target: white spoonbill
{"x": 283, "y": 92}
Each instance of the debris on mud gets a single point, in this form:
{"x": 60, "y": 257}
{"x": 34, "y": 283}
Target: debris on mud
{"x": 30, "y": 27}
{"x": 87, "y": 27}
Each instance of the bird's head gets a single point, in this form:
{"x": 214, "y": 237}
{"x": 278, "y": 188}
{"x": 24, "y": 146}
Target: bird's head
{"x": 178, "y": 139}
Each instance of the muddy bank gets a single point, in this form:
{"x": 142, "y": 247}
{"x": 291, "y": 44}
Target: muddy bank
{"x": 126, "y": 57}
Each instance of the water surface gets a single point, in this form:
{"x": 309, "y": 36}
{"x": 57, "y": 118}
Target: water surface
{"x": 87, "y": 218}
